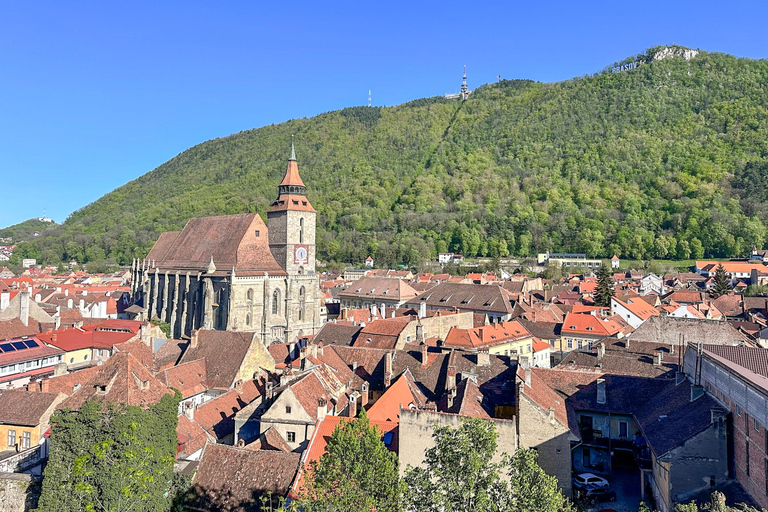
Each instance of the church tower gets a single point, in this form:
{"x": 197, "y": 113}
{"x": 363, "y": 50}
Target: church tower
{"x": 291, "y": 223}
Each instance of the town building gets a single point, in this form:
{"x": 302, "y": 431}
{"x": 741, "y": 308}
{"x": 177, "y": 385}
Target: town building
{"x": 234, "y": 272}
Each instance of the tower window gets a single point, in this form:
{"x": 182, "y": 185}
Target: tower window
{"x": 248, "y": 319}
{"x": 301, "y": 230}
{"x": 276, "y": 302}
{"x": 249, "y": 294}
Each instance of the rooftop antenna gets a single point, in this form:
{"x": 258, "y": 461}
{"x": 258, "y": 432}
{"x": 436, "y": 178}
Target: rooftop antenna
{"x": 369, "y": 97}
{"x": 293, "y": 152}
{"x": 464, "y": 92}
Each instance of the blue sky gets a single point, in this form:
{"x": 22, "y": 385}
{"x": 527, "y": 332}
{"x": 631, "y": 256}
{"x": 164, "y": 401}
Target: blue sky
{"x": 95, "y": 94}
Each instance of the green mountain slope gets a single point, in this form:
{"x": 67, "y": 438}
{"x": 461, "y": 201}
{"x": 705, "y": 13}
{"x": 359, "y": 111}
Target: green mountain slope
{"x": 666, "y": 160}
{"x": 26, "y": 230}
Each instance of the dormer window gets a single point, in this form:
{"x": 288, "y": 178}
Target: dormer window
{"x": 101, "y": 389}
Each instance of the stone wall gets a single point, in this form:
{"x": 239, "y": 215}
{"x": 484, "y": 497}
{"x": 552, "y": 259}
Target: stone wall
{"x": 416, "y": 429}
{"x": 550, "y": 438}
{"x": 19, "y": 492}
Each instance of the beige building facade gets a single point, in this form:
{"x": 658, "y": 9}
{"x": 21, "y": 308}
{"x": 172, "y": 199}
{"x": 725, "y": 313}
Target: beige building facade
{"x": 235, "y": 272}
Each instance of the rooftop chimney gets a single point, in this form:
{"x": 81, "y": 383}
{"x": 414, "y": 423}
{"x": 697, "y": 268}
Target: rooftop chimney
{"x": 483, "y": 358}
{"x": 450, "y": 380}
{"x": 422, "y": 309}
{"x": 601, "y": 391}
{"x": 193, "y": 338}
{"x": 24, "y": 311}
{"x": 420, "y": 334}
{"x": 189, "y": 411}
{"x": 269, "y": 388}
{"x": 658, "y": 357}
{"x": 388, "y": 368}
{"x": 600, "y": 350}
{"x": 352, "y": 408}
{"x": 383, "y": 310}
{"x": 364, "y": 395}
{"x": 312, "y": 348}
{"x": 526, "y": 366}
{"x": 424, "y": 355}
{"x": 551, "y": 414}
{"x": 322, "y": 408}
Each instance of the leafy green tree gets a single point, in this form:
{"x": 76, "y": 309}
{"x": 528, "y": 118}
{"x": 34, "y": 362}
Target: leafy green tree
{"x": 722, "y": 283}
{"x": 755, "y": 290}
{"x": 460, "y": 475}
{"x": 604, "y": 289}
{"x": 114, "y": 458}
{"x": 357, "y": 472}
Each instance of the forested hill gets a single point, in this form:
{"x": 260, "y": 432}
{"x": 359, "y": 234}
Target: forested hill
{"x": 669, "y": 159}
{"x": 26, "y": 230}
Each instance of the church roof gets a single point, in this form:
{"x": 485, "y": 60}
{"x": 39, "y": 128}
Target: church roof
{"x": 291, "y": 202}
{"x": 233, "y": 241}
{"x": 292, "y": 172}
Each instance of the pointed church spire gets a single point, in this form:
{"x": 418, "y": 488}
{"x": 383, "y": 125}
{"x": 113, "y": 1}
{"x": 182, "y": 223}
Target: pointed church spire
{"x": 292, "y": 178}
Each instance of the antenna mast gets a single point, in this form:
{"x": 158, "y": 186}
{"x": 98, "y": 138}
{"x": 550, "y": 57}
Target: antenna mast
{"x": 369, "y": 97}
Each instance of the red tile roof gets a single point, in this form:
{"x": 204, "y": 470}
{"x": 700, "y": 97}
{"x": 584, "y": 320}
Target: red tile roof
{"x": 590, "y": 325}
{"x": 402, "y": 394}
{"x": 486, "y": 336}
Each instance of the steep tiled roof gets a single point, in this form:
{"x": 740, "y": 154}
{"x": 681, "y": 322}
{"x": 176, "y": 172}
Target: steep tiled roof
{"x": 21, "y": 407}
{"x": 270, "y": 439}
{"x": 730, "y": 304}
{"x": 468, "y": 402}
{"x": 684, "y": 296}
{"x": 15, "y": 328}
{"x": 122, "y": 379}
{"x": 230, "y": 240}
{"x": 590, "y": 325}
{"x": 69, "y": 382}
{"x": 223, "y": 352}
{"x": 368, "y": 363}
{"x": 639, "y": 308}
{"x": 382, "y": 333}
{"x": 308, "y": 390}
{"x": 90, "y": 336}
{"x": 490, "y": 298}
{"x": 669, "y": 418}
{"x": 754, "y": 359}
{"x": 637, "y": 361}
{"x": 543, "y": 330}
{"x": 189, "y": 378}
{"x": 379, "y": 288}
{"x": 486, "y": 336}
{"x": 169, "y": 354}
{"x": 337, "y": 334}
{"x": 190, "y": 436}
{"x": 402, "y": 393}
{"x": 217, "y": 416}
{"x": 233, "y": 479}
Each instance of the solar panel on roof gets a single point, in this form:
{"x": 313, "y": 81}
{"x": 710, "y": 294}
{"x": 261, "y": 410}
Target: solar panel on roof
{"x": 31, "y": 343}
{"x": 6, "y": 347}
{"x": 19, "y": 345}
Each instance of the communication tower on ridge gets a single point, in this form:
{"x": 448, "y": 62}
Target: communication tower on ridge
{"x": 369, "y": 97}
{"x": 465, "y": 92}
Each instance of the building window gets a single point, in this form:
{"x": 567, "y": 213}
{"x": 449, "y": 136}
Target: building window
{"x": 71, "y": 360}
{"x": 755, "y": 425}
{"x": 249, "y": 293}
{"x": 291, "y": 436}
{"x": 569, "y": 343}
{"x": 257, "y": 233}
{"x": 738, "y": 411}
{"x": 276, "y": 302}
{"x": 302, "y": 298}
{"x": 248, "y": 319}
{"x": 287, "y": 409}
{"x": 26, "y": 440}
{"x": 301, "y": 230}
{"x": 11, "y": 437}
{"x": 747, "y": 457}
{"x": 581, "y": 344}
{"x": 623, "y": 429}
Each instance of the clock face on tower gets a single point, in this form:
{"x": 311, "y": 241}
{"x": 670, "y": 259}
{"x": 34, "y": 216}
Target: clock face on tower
{"x": 300, "y": 255}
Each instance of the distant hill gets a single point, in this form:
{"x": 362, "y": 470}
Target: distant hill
{"x": 662, "y": 155}
{"x": 26, "y": 230}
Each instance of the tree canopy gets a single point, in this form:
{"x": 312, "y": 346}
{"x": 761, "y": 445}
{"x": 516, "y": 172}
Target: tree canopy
{"x": 460, "y": 474}
{"x": 356, "y": 472}
{"x": 117, "y": 459}
{"x": 663, "y": 159}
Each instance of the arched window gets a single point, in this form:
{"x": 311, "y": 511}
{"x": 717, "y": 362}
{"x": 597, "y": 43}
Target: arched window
{"x": 301, "y": 230}
{"x": 249, "y": 294}
{"x": 276, "y": 302}
{"x": 248, "y": 319}
{"x": 302, "y": 298}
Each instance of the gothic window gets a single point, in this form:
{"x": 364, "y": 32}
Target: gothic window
{"x": 276, "y": 302}
{"x": 301, "y": 230}
{"x": 302, "y": 298}
{"x": 248, "y": 319}
{"x": 249, "y": 294}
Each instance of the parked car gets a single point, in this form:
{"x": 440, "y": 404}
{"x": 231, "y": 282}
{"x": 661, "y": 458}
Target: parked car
{"x": 589, "y": 481}
{"x": 599, "y": 495}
